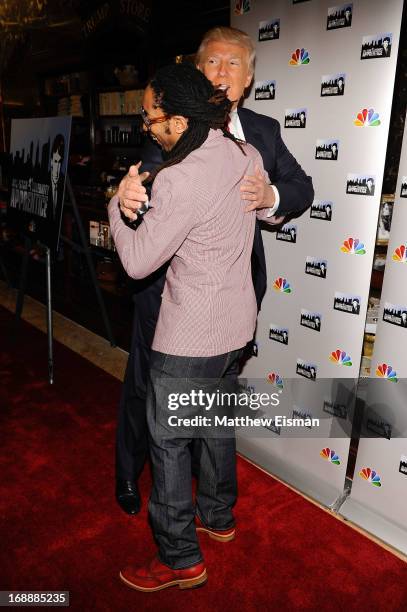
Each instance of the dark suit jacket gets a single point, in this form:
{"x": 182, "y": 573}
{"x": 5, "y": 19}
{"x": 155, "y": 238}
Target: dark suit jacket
{"x": 294, "y": 186}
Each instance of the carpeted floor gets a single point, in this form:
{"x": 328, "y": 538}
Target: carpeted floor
{"x": 61, "y": 528}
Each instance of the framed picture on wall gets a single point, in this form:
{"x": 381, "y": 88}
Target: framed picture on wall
{"x": 385, "y": 216}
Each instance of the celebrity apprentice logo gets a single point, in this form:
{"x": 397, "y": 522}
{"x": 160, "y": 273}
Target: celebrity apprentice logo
{"x": 377, "y": 426}
{"x": 316, "y": 267}
{"x": 339, "y": 411}
{"x": 403, "y": 189}
{"x": 287, "y": 233}
{"x": 376, "y": 46}
{"x": 339, "y": 17}
{"x": 360, "y": 184}
{"x": 269, "y": 30}
{"x": 333, "y": 84}
{"x": 403, "y": 465}
{"x": 306, "y": 369}
{"x": 300, "y": 57}
{"x": 367, "y": 118}
{"x": 370, "y": 476}
{"x": 312, "y": 320}
{"x": 265, "y": 90}
{"x": 395, "y": 314}
{"x": 330, "y": 455}
{"x": 305, "y": 416}
{"x": 327, "y": 149}
{"x": 295, "y": 118}
{"x": 347, "y": 302}
{"x": 279, "y": 334}
{"x": 321, "y": 209}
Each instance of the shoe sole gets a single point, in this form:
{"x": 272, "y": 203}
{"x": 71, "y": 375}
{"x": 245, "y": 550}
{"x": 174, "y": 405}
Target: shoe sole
{"x": 186, "y": 583}
{"x": 217, "y": 536}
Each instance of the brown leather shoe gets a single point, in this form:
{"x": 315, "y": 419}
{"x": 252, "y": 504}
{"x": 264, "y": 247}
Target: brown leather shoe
{"x": 225, "y": 535}
{"x": 158, "y": 576}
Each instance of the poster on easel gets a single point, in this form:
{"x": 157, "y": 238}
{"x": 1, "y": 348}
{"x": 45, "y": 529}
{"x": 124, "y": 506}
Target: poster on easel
{"x": 39, "y": 151}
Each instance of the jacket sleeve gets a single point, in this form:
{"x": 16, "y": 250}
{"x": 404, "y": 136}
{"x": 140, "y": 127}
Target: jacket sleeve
{"x": 294, "y": 186}
{"x": 165, "y": 226}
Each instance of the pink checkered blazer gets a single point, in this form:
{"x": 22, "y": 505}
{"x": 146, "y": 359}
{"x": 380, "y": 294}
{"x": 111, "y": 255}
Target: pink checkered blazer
{"x": 197, "y": 218}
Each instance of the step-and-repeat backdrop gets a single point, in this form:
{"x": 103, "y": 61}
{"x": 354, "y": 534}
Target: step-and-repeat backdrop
{"x": 326, "y": 73}
{"x": 379, "y": 492}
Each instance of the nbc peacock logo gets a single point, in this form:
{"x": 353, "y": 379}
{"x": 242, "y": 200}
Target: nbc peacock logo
{"x": 400, "y": 254}
{"x": 330, "y": 455}
{"x": 282, "y": 285}
{"x": 339, "y": 357}
{"x": 367, "y": 118}
{"x": 275, "y": 379}
{"x": 384, "y": 370}
{"x": 300, "y": 57}
{"x": 371, "y": 476}
{"x": 352, "y": 246}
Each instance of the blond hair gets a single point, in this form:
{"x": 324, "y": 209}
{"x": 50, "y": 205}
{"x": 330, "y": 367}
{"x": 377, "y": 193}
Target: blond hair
{"x": 228, "y": 35}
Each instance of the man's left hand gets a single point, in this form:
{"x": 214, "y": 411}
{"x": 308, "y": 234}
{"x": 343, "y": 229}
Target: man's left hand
{"x": 256, "y": 190}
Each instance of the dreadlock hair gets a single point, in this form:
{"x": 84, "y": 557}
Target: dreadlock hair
{"x": 181, "y": 89}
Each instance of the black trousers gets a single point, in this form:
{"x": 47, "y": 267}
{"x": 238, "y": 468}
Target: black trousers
{"x": 132, "y": 436}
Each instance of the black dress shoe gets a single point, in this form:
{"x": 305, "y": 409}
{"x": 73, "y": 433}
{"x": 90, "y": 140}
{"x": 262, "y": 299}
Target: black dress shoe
{"x": 128, "y": 496}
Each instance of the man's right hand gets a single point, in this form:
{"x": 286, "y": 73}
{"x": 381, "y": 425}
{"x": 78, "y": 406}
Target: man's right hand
{"x": 132, "y": 194}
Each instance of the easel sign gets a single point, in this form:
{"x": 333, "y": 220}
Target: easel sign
{"x": 39, "y": 151}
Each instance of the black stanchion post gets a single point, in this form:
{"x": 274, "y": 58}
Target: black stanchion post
{"x": 49, "y": 319}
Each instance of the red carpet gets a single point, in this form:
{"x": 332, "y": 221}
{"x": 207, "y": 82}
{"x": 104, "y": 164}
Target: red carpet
{"x": 61, "y": 528}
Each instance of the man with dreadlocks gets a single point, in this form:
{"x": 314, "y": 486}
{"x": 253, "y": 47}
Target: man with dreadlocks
{"x": 226, "y": 56}
{"x": 198, "y": 219}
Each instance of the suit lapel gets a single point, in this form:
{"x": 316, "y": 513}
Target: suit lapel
{"x": 251, "y": 133}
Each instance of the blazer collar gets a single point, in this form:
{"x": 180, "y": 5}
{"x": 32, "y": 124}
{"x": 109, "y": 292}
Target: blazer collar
{"x": 251, "y": 128}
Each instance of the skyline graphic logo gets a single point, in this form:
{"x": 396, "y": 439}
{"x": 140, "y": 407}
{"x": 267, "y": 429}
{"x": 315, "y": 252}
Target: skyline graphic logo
{"x": 321, "y": 209}
{"x": 333, "y": 84}
{"x": 367, "y": 118}
{"x": 400, "y": 254}
{"x": 287, "y": 233}
{"x": 295, "y": 117}
{"x": 347, "y": 302}
{"x": 300, "y": 57}
{"x": 360, "y": 184}
{"x": 316, "y": 267}
{"x": 339, "y": 17}
{"x": 376, "y": 46}
{"x": 327, "y": 149}
{"x": 383, "y": 370}
{"x": 396, "y": 314}
{"x": 371, "y": 476}
{"x": 282, "y": 285}
{"x": 265, "y": 90}
{"x": 275, "y": 379}
{"x": 269, "y": 30}
{"x": 340, "y": 358}
{"x": 306, "y": 369}
{"x": 330, "y": 455}
{"x": 279, "y": 334}
{"x": 312, "y": 320}
{"x": 352, "y": 246}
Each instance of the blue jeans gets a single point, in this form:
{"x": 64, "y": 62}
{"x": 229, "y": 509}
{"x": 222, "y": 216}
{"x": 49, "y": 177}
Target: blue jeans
{"x": 171, "y": 504}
